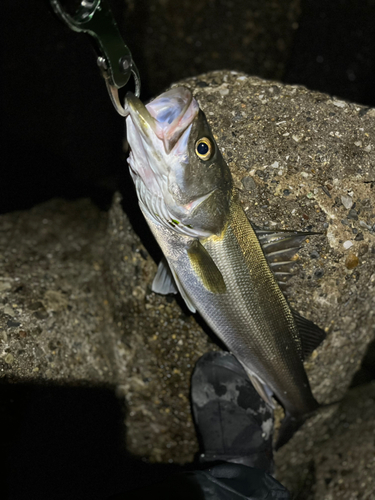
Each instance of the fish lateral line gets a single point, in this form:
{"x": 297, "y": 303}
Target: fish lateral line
{"x": 232, "y": 273}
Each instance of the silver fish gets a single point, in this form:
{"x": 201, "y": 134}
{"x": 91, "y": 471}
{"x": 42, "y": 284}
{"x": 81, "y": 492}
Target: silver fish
{"x": 223, "y": 269}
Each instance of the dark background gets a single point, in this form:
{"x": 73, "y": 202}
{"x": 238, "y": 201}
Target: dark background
{"x": 62, "y": 137}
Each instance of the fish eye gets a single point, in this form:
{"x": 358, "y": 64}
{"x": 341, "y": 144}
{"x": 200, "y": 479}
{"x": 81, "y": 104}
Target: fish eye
{"x": 203, "y": 148}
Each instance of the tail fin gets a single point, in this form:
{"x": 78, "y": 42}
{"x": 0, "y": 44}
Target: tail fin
{"x": 289, "y": 426}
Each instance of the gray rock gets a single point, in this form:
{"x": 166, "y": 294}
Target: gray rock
{"x": 310, "y": 154}
{"x": 77, "y": 281}
{"x": 353, "y": 214}
{"x": 347, "y": 201}
{"x": 159, "y": 344}
{"x": 52, "y": 265}
{"x": 250, "y": 185}
{"x": 338, "y": 459}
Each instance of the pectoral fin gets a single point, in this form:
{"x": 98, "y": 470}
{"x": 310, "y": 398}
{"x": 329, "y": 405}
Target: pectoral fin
{"x": 205, "y": 268}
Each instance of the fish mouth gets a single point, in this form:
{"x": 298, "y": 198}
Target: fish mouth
{"x": 165, "y": 118}
{"x": 140, "y": 116}
{"x": 158, "y": 134}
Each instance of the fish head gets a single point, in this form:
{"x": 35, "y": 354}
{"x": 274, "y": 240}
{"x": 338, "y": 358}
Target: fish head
{"x": 181, "y": 178}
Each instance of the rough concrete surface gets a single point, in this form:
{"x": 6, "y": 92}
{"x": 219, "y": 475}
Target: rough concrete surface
{"x": 77, "y": 304}
{"x": 339, "y": 460}
{"x": 156, "y": 350}
{"x": 303, "y": 160}
{"x": 53, "y": 311}
{"x": 345, "y": 464}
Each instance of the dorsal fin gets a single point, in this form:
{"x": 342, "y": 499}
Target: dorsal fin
{"x": 311, "y": 335}
{"x": 205, "y": 268}
{"x": 279, "y": 248}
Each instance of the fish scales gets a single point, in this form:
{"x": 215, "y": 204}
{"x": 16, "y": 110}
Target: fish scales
{"x": 214, "y": 258}
{"x": 251, "y": 317}
{"x": 267, "y": 335}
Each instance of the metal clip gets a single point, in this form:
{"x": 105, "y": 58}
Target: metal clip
{"x": 114, "y": 60}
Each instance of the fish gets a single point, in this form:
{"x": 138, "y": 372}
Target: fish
{"x": 225, "y": 269}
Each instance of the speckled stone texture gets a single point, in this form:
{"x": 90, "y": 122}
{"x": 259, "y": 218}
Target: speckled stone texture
{"x": 158, "y": 345}
{"x": 337, "y": 460}
{"x": 296, "y": 157}
{"x": 306, "y": 161}
{"x": 54, "y": 322}
{"x": 77, "y": 304}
